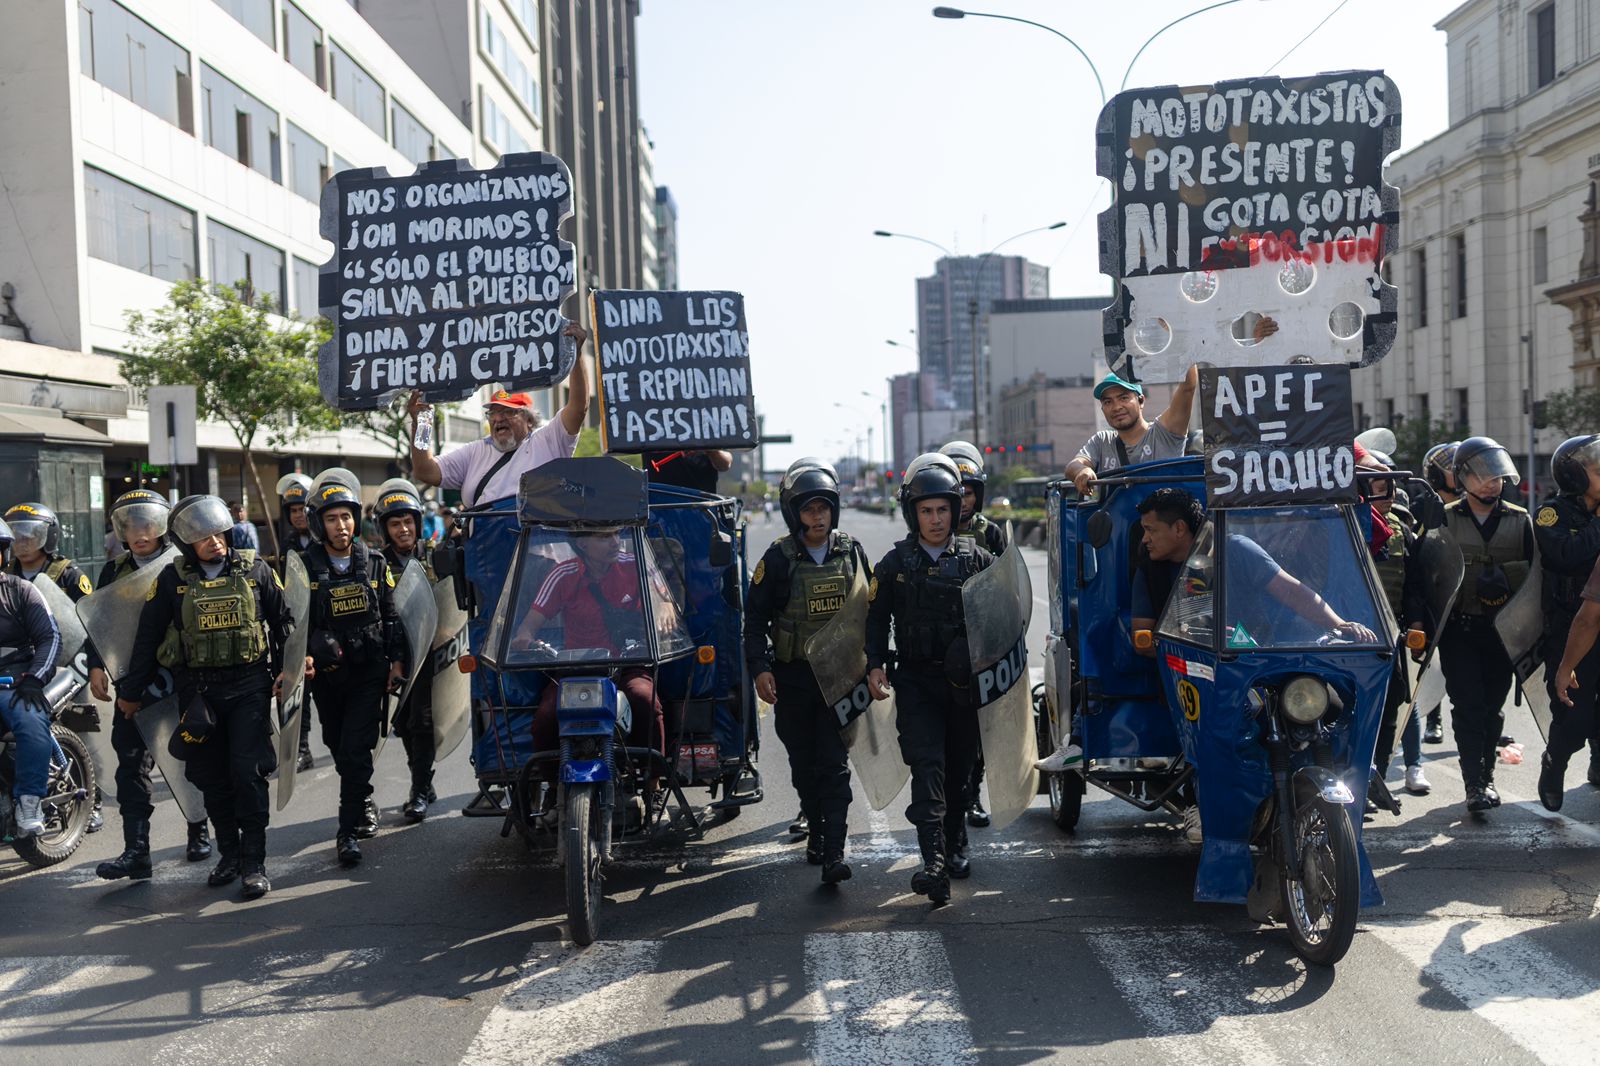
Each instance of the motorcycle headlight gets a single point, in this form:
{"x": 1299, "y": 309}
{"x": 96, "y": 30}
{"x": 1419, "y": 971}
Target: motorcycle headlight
{"x": 1305, "y": 699}
{"x": 581, "y": 695}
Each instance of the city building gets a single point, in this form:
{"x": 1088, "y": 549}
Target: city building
{"x": 649, "y": 253}
{"x": 666, "y": 221}
{"x": 1492, "y": 312}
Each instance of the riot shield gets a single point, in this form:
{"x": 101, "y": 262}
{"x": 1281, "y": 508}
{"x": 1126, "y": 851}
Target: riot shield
{"x": 997, "y": 605}
{"x": 287, "y": 720}
{"x": 1438, "y": 559}
{"x": 1520, "y": 624}
{"x": 452, "y": 690}
{"x": 110, "y": 618}
{"x": 419, "y": 617}
{"x": 838, "y": 656}
{"x": 67, "y": 622}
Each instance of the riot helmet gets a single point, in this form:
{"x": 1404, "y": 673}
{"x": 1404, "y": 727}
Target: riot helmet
{"x": 969, "y": 462}
{"x": 193, "y": 519}
{"x": 930, "y": 475}
{"x": 397, "y": 496}
{"x": 6, "y": 539}
{"x": 330, "y": 494}
{"x": 293, "y": 488}
{"x": 1572, "y": 461}
{"x": 806, "y": 480}
{"x": 1483, "y": 457}
{"x": 1438, "y": 464}
{"x": 139, "y": 512}
{"x": 35, "y": 527}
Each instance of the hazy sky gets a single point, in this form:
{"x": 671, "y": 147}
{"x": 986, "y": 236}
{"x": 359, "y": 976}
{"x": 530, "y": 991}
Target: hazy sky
{"x": 789, "y": 131}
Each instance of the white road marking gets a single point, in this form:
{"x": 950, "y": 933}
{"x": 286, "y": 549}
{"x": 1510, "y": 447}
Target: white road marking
{"x": 883, "y": 999}
{"x": 568, "y": 1003}
{"x": 1578, "y": 834}
{"x": 1491, "y": 964}
{"x": 36, "y": 989}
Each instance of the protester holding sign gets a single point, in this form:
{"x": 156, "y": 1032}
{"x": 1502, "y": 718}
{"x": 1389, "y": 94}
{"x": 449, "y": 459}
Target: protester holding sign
{"x": 1131, "y": 439}
{"x": 491, "y": 468}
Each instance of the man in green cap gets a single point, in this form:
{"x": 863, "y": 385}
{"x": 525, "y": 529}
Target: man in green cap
{"x": 1131, "y": 439}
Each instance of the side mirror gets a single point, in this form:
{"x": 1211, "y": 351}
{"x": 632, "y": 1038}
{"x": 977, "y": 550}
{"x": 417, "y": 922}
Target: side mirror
{"x": 1099, "y": 529}
{"x": 721, "y": 550}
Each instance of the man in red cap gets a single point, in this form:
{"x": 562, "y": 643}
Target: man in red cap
{"x": 491, "y": 468}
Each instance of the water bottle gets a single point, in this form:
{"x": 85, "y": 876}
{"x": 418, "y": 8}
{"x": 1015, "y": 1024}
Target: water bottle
{"x": 422, "y": 440}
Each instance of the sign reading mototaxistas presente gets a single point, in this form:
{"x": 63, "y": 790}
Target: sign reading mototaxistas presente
{"x": 674, "y": 370}
{"x": 446, "y": 280}
{"x": 1245, "y": 200}
{"x": 1278, "y": 434}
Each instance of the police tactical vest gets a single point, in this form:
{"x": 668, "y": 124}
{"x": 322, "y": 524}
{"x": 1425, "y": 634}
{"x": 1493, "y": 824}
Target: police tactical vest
{"x": 1496, "y": 568}
{"x": 1392, "y": 570}
{"x": 1562, "y": 589}
{"x": 423, "y": 555}
{"x": 347, "y": 604}
{"x": 816, "y": 593}
{"x": 931, "y": 618}
{"x": 218, "y": 625}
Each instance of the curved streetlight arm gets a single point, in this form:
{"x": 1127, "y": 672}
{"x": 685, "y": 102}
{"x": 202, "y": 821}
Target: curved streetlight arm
{"x": 1199, "y": 11}
{"x": 913, "y": 237}
{"x": 956, "y": 13}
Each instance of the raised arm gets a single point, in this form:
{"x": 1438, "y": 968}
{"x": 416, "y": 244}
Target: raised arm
{"x": 576, "y": 408}
{"x": 1175, "y": 419}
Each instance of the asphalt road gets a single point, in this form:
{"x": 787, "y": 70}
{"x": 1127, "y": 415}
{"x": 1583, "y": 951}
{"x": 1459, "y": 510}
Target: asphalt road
{"x": 447, "y": 946}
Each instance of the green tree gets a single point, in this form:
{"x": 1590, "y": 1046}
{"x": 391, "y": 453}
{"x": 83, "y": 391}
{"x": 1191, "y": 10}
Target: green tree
{"x": 1573, "y": 411}
{"x": 1414, "y": 436}
{"x": 588, "y": 442}
{"x": 391, "y": 426}
{"x": 252, "y": 371}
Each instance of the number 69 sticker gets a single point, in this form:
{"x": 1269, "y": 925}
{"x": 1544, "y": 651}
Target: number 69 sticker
{"x": 1189, "y": 700}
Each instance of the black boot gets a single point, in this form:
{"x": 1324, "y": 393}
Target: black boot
{"x": 348, "y": 850}
{"x": 834, "y": 831}
{"x": 1488, "y": 783}
{"x": 253, "y": 863}
{"x": 814, "y": 843}
{"x": 367, "y": 824}
{"x": 932, "y": 880}
{"x": 134, "y": 862}
{"x": 199, "y": 848}
{"x": 1434, "y": 733}
{"x": 955, "y": 849}
{"x": 800, "y": 826}
{"x": 415, "y": 808}
{"x": 1551, "y": 790}
{"x": 226, "y": 834}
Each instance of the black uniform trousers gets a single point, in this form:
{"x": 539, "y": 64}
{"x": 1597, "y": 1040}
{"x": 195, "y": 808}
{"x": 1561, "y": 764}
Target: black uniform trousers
{"x": 939, "y": 741}
{"x": 1395, "y": 697}
{"x": 1477, "y": 678}
{"x": 1570, "y": 727}
{"x": 134, "y": 764}
{"x": 413, "y": 723}
{"x": 231, "y": 769}
{"x": 350, "y": 708}
{"x": 819, "y": 762}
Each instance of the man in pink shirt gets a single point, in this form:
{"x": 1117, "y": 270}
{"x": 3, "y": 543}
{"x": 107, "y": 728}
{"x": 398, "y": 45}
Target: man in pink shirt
{"x": 481, "y": 470}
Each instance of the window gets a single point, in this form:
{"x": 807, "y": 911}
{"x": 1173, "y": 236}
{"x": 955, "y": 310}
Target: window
{"x": 498, "y": 133}
{"x": 1361, "y": 417}
{"x": 137, "y": 229}
{"x": 308, "y": 164}
{"x": 1462, "y": 421}
{"x": 527, "y": 13}
{"x": 1387, "y": 407}
{"x": 341, "y": 163}
{"x": 1541, "y": 255}
{"x": 302, "y": 44}
{"x": 1424, "y": 408}
{"x": 235, "y": 257}
{"x": 1543, "y": 24}
{"x": 1419, "y": 287}
{"x": 356, "y": 90}
{"x": 1458, "y": 277}
{"x": 239, "y": 125}
{"x": 305, "y": 290}
{"x": 410, "y": 137}
{"x": 494, "y": 44}
{"x": 255, "y": 15}
{"x": 131, "y": 58}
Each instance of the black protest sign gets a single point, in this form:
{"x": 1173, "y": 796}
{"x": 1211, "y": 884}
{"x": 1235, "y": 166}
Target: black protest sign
{"x": 1263, "y": 196}
{"x": 1279, "y": 434}
{"x": 446, "y": 280}
{"x": 674, "y": 370}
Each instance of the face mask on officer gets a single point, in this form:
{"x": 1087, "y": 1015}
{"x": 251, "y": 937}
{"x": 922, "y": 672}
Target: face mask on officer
{"x": 933, "y": 520}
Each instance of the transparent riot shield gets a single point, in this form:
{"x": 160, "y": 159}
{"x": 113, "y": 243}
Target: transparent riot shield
{"x": 1520, "y": 624}
{"x": 997, "y": 605}
{"x": 1438, "y": 559}
{"x": 110, "y": 618}
{"x": 419, "y": 617}
{"x": 67, "y": 621}
{"x": 452, "y": 690}
{"x": 289, "y": 717}
{"x": 838, "y": 656}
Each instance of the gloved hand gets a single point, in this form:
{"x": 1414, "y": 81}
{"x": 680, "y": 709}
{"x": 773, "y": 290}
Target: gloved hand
{"x": 30, "y": 695}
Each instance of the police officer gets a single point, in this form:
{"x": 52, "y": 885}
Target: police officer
{"x": 1393, "y": 556}
{"x": 398, "y": 513}
{"x": 30, "y": 640}
{"x": 37, "y": 550}
{"x": 357, "y": 649}
{"x": 295, "y": 536}
{"x": 1437, "y": 466}
{"x": 1497, "y": 545}
{"x": 916, "y": 592}
{"x": 139, "y": 519}
{"x": 216, "y": 617}
{"x": 1568, "y": 532}
{"x": 799, "y": 584}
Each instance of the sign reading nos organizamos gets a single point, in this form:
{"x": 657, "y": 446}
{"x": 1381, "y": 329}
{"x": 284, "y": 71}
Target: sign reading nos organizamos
{"x": 674, "y": 370}
{"x": 1278, "y": 434}
{"x": 446, "y": 280}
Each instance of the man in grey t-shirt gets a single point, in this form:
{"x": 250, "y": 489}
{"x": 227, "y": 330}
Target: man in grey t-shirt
{"x": 1122, "y": 404}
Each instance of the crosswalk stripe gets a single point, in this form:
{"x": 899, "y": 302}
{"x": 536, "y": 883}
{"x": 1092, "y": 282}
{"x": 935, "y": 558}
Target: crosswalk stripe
{"x": 884, "y": 998}
{"x": 567, "y": 1003}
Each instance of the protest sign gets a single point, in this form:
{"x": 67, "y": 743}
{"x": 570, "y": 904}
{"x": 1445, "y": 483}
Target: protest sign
{"x": 674, "y": 370}
{"x": 1248, "y": 199}
{"x": 1280, "y": 434}
{"x": 446, "y": 280}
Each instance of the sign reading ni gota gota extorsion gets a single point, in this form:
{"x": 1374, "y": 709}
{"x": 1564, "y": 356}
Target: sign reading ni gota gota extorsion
{"x": 446, "y": 280}
{"x": 674, "y": 370}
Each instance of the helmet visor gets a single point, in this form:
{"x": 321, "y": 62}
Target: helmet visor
{"x": 139, "y": 520}
{"x": 206, "y": 517}
{"x": 1588, "y": 456}
{"x": 30, "y": 534}
{"x": 1495, "y": 462}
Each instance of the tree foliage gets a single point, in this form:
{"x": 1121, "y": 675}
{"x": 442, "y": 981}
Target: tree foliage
{"x": 1574, "y": 411}
{"x": 390, "y": 426}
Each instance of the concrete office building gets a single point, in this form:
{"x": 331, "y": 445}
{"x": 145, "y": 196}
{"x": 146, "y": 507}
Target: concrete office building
{"x": 945, "y": 315}
{"x": 666, "y": 222}
{"x": 649, "y": 253}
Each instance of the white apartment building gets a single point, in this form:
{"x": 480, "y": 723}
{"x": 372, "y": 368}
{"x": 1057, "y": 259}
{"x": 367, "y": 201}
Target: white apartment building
{"x": 649, "y": 253}
{"x": 148, "y": 141}
{"x": 1489, "y": 226}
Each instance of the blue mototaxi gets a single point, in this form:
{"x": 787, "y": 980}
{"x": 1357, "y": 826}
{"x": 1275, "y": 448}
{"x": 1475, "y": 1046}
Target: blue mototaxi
{"x": 1270, "y": 716}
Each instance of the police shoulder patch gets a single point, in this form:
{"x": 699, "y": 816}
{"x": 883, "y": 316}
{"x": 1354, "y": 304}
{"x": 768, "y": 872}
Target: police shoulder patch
{"x": 150, "y": 593}
{"x": 388, "y": 576}
{"x": 84, "y": 586}
{"x": 761, "y": 572}
{"x": 872, "y": 589}
{"x": 1547, "y": 516}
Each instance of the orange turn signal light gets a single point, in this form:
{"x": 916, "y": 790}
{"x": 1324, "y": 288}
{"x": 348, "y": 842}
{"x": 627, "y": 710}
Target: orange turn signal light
{"x": 705, "y": 655}
{"x": 1143, "y": 639}
{"x": 1416, "y": 640}
{"x": 467, "y": 664}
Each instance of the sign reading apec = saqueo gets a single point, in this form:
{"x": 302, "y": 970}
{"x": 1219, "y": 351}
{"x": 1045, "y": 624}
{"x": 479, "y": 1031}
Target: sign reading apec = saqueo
{"x": 1278, "y": 435}
{"x": 446, "y": 280}
{"x": 674, "y": 370}
{"x": 1243, "y": 200}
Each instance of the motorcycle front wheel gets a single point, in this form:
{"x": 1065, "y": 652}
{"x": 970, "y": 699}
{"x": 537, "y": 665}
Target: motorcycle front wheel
{"x": 67, "y": 806}
{"x": 1322, "y": 896}
{"x": 581, "y": 830}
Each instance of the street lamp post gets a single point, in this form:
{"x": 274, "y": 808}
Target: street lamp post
{"x": 916, "y": 394}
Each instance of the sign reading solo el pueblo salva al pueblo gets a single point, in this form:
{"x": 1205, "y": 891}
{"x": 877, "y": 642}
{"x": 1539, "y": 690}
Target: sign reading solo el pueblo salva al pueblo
{"x": 446, "y": 280}
{"x": 674, "y": 370}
